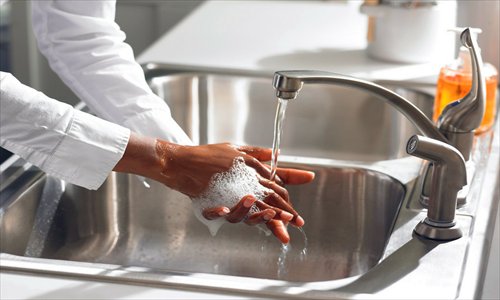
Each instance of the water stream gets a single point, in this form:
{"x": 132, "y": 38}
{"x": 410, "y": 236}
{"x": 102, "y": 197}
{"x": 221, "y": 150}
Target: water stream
{"x": 278, "y": 130}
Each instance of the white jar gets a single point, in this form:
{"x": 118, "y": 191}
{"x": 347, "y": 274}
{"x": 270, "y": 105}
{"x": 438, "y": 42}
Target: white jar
{"x": 412, "y": 34}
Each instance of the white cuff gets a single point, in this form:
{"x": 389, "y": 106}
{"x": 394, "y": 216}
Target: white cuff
{"x": 88, "y": 152}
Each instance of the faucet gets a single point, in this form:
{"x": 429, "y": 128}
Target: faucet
{"x": 446, "y": 146}
{"x": 460, "y": 118}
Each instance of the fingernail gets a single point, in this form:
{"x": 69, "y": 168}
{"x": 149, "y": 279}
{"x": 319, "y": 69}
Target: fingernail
{"x": 224, "y": 211}
{"x": 286, "y": 216}
{"x": 248, "y": 202}
{"x": 300, "y": 221}
{"x": 268, "y": 216}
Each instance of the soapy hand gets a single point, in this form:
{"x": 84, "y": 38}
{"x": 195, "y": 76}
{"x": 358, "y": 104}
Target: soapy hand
{"x": 190, "y": 169}
{"x": 267, "y": 215}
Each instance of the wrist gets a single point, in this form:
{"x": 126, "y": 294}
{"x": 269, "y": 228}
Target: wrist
{"x": 168, "y": 156}
{"x": 140, "y": 157}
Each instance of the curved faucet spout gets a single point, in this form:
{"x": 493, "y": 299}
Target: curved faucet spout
{"x": 289, "y": 83}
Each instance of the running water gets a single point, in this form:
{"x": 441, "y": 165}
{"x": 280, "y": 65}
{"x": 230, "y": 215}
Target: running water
{"x": 285, "y": 248}
{"x": 278, "y": 129}
{"x": 303, "y": 252}
{"x": 286, "y": 251}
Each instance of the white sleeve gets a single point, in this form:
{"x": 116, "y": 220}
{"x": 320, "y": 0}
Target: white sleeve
{"x": 66, "y": 143}
{"x": 86, "y": 48}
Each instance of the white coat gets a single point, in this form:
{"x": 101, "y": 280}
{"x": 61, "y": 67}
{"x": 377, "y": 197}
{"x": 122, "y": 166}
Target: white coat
{"x": 86, "y": 48}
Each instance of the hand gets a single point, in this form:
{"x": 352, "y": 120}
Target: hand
{"x": 189, "y": 169}
{"x": 267, "y": 215}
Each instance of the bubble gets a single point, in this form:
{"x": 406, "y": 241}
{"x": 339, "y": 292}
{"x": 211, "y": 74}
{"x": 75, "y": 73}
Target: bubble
{"x": 227, "y": 189}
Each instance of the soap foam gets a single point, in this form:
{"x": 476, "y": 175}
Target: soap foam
{"x": 227, "y": 189}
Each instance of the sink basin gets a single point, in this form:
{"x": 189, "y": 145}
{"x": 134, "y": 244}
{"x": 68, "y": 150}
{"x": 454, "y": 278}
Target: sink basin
{"x": 349, "y": 215}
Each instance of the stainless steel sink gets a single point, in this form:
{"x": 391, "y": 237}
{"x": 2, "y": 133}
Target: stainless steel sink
{"x": 360, "y": 210}
{"x": 125, "y": 223}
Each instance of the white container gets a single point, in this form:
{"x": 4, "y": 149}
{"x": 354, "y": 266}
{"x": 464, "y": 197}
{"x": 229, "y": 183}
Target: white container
{"x": 412, "y": 34}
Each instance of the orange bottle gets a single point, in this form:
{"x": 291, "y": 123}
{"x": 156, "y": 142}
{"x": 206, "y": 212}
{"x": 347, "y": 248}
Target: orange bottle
{"x": 455, "y": 81}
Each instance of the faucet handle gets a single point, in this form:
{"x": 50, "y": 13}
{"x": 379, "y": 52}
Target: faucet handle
{"x": 460, "y": 118}
{"x": 448, "y": 178}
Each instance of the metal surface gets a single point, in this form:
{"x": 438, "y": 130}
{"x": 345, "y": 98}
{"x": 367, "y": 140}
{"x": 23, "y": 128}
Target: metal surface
{"x": 125, "y": 223}
{"x": 150, "y": 237}
{"x": 466, "y": 115}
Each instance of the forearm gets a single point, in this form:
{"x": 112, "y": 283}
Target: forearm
{"x": 187, "y": 169}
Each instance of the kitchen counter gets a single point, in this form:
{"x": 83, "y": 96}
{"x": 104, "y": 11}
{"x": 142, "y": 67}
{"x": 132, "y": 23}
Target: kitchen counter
{"x": 326, "y": 35}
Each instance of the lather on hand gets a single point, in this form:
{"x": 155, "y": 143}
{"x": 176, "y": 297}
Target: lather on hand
{"x": 189, "y": 170}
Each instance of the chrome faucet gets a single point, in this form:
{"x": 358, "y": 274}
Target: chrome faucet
{"x": 444, "y": 146}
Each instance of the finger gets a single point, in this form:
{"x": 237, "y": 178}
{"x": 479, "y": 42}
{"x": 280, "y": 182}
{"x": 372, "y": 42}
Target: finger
{"x": 241, "y": 209}
{"x": 294, "y": 176}
{"x": 260, "y": 217}
{"x": 258, "y": 166}
{"x": 275, "y": 187}
{"x": 215, "y": 212}
{"x": 276, "y": 178}
{"x": 261, "y": 169}
{"x": 280, "y": 214}
{"x": 262, "y": 154}
{"x": 279, "y": 230}
{"x": 275, "y": 200}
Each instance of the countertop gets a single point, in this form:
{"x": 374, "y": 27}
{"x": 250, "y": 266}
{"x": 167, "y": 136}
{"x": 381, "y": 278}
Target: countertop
{"x": 255, "y": 36}
{"x": 268, "y": 36}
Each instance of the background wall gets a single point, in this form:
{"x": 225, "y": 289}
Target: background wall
{"x": 484, "y": 14}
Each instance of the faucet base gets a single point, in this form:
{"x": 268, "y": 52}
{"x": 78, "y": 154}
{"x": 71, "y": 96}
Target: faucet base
{"x": 426, "y": 230}
{"x": 461, "y": 198}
